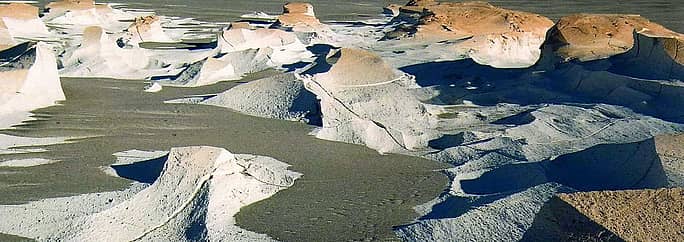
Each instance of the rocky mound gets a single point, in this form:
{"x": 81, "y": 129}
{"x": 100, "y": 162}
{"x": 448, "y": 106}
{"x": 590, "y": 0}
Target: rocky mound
{"x": 198, "y": 192}
{"x": 490, "y": 35}
{"x": 298, "y": 17}
{"x": 636, "y": 215}
{"x": 491, "y": 222}
{"x": 356, "y": 68}
{"x": 279, "y": 97}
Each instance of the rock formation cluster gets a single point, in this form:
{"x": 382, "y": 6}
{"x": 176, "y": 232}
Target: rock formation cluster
{"x": 567, "y": 129}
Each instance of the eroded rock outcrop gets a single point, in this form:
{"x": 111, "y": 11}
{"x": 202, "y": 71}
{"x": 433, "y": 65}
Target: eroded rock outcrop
{"x": 671, "y": 152}
{"x": 286, "y": 46}
{"x": 19, "y": 20}
{"x": 490, "y": 35}
{"x": 98, "y": 55}
{"x": 146, "y": 29}
{"x": 300, "y": 18}
{"x": 29, "y": 80}
{"x": 588, "y": 37}
{"x": 354, "y": 94}
{"x": 75, "y": 15}
{"x": 199, "y": 191}
{"x": 220, "y": 67}
{"x": 278, "y": 97}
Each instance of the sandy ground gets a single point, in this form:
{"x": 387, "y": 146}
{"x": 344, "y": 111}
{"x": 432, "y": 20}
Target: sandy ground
{"x": 642, "y": 215}
{"x": 12, "y": 238}
{"x": 348, "y": 191}
{"x": 671, "y": 151}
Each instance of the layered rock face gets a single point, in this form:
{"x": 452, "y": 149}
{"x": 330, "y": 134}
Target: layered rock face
{"x": 490, "y": 35}
{"x": 199, "y": 191}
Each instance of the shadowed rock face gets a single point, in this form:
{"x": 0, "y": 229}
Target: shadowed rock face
{"x": 587, "y": 37}
{"x": 671, "y": 152}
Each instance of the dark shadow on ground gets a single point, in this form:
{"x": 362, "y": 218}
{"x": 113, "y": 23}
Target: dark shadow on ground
{"x": 144, "y": 171}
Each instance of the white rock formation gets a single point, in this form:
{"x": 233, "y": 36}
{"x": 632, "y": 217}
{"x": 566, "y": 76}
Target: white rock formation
{"x": 30, "y": 81}
{"x": 489, "y": 35}
{"x": 279, "y": 97}
{"x": 99, "y": 56}
{"x": 21, "y": 20}
{"x": 73, "y": 16}
{"x": 287, "y": 48}
{"x": 364, "y": 101}
{"x": 195, "y": 198}
{"x": 146, "y": 29}
{"x": 241, "y": 51}
{"x": 222, "y": 67}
